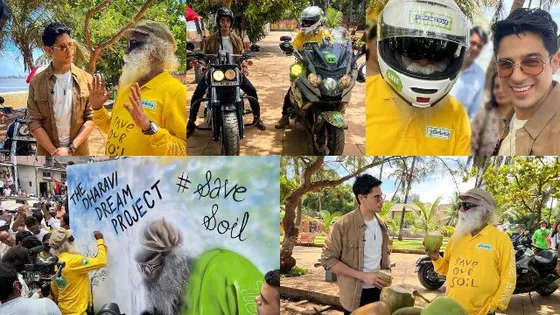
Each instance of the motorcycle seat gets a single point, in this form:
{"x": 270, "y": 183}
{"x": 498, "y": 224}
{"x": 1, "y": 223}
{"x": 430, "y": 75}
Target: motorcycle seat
{"x": 546, "y": 257}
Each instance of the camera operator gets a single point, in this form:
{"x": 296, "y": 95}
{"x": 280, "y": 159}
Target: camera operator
{"x": 11, "y": 300}
{"x": 17, "y": 257}
{"x": 71, "y": 290}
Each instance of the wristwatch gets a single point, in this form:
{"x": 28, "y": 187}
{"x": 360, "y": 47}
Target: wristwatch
{"x": 152, "y": 130}
{"x": 71, "y": 149}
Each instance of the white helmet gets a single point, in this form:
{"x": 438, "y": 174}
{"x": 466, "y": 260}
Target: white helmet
{"x": 421, "y": 46}
{"x": 311, "y": 19}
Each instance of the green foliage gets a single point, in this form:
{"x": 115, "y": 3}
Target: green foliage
{"x": 333, "y": 18}
{"x": 297, "y": 271}
{"x": 257, "y": 13}
{"x": 332, "y": 199}
{"x": 287, "y": 186}
{"x": 329, "y": 218}
{"x": 118, "y": 14}
{"x": 524, "y": 187}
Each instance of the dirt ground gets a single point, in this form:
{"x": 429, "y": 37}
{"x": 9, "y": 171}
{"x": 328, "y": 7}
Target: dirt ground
{"x": 403, "y": 272}
{"x": 270, "y": 76}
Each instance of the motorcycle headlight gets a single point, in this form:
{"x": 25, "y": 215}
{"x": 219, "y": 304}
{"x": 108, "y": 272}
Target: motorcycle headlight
{"x": 345, "y": 81}
{"x": 330, "y": 84}
{"x": 314, "y": 80}
{"x": 230, "y": 74}
{"x": 296, "y": 70}
{"x": 218, "y": 75}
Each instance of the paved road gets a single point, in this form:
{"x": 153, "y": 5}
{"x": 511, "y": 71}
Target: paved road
{"x": 404, "y": 273}
{"x": 269, "y": 74}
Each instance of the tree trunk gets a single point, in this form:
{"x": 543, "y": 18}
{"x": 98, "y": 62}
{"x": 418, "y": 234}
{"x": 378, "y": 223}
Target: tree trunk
{"x": 291, "y": 232}
{"x": 381, "y": 171}
{"x": 92, "y": 60}
{"x": 27, "y": 58}
{"x": 408, "y": 184}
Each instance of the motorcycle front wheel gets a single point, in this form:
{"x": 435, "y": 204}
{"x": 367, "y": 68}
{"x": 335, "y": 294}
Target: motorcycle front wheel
{"x": 328, "y": 141}
{"x": 429, "y": 278}
{"x": 230, "y": 134}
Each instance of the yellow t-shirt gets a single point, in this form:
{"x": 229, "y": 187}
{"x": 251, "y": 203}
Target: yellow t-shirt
{"x": 302, "y": 38}
{"x": 164, "y": 102}
{"x": 72, "y": 288}
{"x": 394, "y": 127}
{"x": 480, "y": 271}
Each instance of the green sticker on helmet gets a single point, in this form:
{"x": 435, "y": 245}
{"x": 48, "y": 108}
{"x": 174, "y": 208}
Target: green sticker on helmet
{"x": 331, "y": 58}
{"x": 394, "y": 79}
{"x": 417, "y": 17}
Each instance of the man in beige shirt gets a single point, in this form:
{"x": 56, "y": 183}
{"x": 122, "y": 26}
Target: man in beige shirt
{"x": 358, "y": 246}
{"x": 526, "y": 50}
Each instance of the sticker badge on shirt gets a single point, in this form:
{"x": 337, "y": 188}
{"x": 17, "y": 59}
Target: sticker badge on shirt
{"x": 85, "y": 261}
{"x": 149, "y": 104}
{"x": 60, "y": 282}
{"x": 484, "y": 246}
{"x": 438, "y": 133}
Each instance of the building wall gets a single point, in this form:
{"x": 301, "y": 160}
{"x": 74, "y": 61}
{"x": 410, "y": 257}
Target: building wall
{"x": 28, "y": 179}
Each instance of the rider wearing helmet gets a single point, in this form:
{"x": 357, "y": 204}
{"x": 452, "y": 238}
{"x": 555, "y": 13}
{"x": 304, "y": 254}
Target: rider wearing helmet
{"x": 311, "y": 22}
{"x": 421, "y": 47}
{"x": 224, "y": 40}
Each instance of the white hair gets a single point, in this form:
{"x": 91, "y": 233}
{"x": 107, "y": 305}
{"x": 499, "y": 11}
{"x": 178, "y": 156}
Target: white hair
{"x": 137, "y": 63}
{"x": 473, "y": 219}
{"x": 165, "y": 293}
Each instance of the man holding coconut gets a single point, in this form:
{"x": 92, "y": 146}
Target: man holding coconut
{"x": 357, "y": 247}
{"x": 479, "y": 261}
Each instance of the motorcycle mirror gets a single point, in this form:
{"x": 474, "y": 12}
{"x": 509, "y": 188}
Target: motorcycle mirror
{"x": 190, "y": 46}
{"x": 361, "y": 74}
{"x": 1, "y": 100}
{"x": 286, "y": 38}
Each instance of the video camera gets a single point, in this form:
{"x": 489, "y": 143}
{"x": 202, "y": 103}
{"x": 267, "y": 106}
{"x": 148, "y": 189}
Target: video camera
{"x": 42, "y": 270}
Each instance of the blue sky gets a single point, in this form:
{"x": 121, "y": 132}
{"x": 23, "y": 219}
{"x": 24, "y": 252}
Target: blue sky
{"x": 11, "y": 63}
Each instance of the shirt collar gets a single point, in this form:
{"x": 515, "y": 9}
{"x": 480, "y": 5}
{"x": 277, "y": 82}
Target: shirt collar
{"x": 158, "y": 80}
{"x": 544, "y": 114}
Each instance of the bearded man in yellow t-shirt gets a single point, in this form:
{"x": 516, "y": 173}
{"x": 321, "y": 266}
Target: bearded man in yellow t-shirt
{"x": 149, "y": 116}
{"x": 479, "y": 260}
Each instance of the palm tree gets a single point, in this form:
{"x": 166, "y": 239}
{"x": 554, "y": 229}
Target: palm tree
{"x": 426, "y": 217}
{"x": 333, "y": 18}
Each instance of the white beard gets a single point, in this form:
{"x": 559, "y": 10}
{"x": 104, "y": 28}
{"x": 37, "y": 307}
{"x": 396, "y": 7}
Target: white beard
{"x": 136, "y": 66}
{"x": 415, "y": 67}
{"x": 165, "y": 293}
{"x": 469, "y": 221}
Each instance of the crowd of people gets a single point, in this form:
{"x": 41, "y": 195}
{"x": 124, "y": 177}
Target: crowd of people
{"x": 33, "y": 239}
{"x": 426, "y": 91}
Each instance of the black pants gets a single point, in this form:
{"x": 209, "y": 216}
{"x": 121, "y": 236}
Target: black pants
{"x": 368, "y": 296}
{"x": 246, "y": 86}
{"x": 287, "y": 103}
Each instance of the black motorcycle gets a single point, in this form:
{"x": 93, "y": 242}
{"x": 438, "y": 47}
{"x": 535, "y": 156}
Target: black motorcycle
{"x": 535, "y": 272}
{"x": 322, "y": 81}
{"x": 225, "y": 106}
{"x": 19, "y": 140}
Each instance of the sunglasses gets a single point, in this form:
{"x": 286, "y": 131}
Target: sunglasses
{"x": 467, "y": 205}
{"x": 64, "y": 47}
{"x": 133, "y": 44}
{"x": 530, "y": 66}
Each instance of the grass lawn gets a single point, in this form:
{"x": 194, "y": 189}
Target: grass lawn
{"x": 404, "y": 244}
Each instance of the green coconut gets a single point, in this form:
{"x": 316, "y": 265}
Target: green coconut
{"x": 410, "y": 310}
{"x": 433, "y": 241}
{"x": 377, "y": 308}
{"x": 385, "y": 275}
{"x": 397, "y": 297}
{"x": 444, "y": 305}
